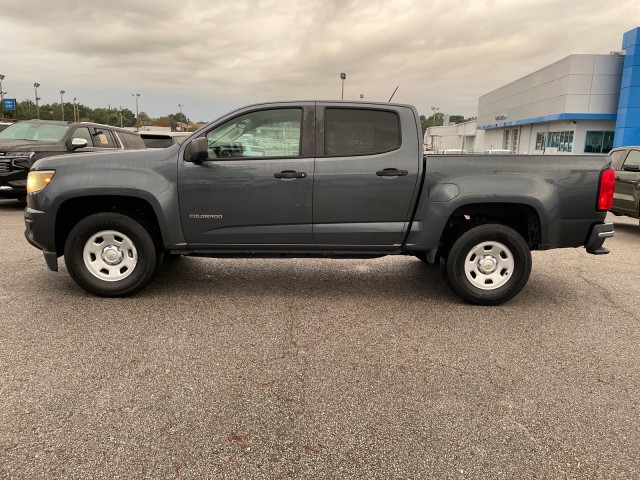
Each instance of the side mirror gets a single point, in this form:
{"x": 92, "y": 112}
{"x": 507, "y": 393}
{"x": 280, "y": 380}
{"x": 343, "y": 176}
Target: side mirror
{"x": 77, "y": 143}
{"x": 197, "y": 151}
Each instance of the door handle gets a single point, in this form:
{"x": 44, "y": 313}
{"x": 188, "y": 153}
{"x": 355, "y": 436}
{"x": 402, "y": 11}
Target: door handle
{"x": 290, "y": 174}
{"x": 391, "y": 172}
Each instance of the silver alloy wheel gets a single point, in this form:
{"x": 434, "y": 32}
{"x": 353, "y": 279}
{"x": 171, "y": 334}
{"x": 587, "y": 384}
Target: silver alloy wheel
{"x": 489, "y": 265}
{"x": 110, "y": 255}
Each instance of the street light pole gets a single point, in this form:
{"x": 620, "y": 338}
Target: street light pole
{"x": 181, "y": 117}
{"x": 343, "y": 77}
{"x": 35, "y": 87}
{"x": 136, "y": 96}
{"x": 435, "y": 109}
{"x": 62, "y": 92}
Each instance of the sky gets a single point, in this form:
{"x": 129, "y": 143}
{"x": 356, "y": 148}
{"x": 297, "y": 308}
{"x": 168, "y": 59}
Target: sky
{"x": 212, "y": 56}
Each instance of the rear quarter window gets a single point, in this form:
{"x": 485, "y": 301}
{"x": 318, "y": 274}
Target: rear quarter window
{"x": 157, "y": 141}
{"x": 130, "y": 141}
{"x": 351, "y": 131}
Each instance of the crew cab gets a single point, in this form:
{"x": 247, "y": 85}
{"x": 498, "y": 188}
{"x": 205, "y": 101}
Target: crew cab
{"x": 626, "y": 196}
{"x": 22, "y": 143}
{"x": 315, "y": 179}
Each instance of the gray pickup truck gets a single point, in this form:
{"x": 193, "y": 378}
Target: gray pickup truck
{"x": 315, "y": 179}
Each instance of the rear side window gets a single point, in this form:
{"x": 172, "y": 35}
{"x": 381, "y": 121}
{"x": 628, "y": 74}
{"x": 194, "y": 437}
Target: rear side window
{"x": 616, "y": 159}
{"x": 633, "y": 160}
{"x": 360, "y": 131}
{"x": 130, "y": 141}
{"x": 157, "y": 141}
{"x": 102, "y": 138}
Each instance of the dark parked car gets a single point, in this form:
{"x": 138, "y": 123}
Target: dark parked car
{"x": 22, "y": 143}
{"x": 626, "y": 196}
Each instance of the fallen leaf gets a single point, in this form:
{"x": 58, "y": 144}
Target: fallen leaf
{"x": 232, "y": 437}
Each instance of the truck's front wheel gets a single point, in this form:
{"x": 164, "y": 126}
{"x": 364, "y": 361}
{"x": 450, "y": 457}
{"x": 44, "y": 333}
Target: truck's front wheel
{"x": 488, "y": 264}
{"x": 110, "y": 254}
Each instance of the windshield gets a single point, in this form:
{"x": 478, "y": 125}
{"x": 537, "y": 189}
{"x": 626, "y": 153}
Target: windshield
{"x": 39, "y": 132}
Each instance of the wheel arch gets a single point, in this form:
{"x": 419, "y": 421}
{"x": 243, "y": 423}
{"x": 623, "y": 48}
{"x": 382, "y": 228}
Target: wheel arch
{"x": 521, "y": 217}
{"x": 437, "y": 224}
{"x": 72, "y": 210}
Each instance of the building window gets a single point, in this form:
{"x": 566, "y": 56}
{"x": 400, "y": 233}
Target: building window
{"x": 506, "y": 140}
{"x": 562, "y": 141}
{"x": 598, "y": 142}
{"x": 514, "y": 146}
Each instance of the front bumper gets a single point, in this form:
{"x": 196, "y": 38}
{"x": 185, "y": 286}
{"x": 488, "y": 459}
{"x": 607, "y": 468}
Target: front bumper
{"x": 599, "y": 233}
{"x": 36, "y": 233}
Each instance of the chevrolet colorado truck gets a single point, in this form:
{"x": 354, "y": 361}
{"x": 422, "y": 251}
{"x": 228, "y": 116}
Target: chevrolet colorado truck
{"x": 315, "y": 179}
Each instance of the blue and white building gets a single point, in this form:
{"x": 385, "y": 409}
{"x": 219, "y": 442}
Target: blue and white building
{"x": 580, "y": 104}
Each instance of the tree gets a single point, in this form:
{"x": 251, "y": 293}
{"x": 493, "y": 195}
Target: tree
{"x": 143, "y": 119}
{"x": 424, "y": 124}
{"x": 161, "y": 122}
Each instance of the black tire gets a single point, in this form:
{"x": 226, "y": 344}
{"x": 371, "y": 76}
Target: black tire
{"x": 488, "y": 264}
{"x": 99, "y": 238}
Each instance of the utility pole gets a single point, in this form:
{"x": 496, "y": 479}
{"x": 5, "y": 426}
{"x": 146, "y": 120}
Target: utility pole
{"x": 62, "y": 92}
{"x": 2, "y": 92}
{"x": 35, "y": 87}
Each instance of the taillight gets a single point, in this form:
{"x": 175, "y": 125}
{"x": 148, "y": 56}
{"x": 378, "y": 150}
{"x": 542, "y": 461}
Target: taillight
{"x": 605, "y": 189}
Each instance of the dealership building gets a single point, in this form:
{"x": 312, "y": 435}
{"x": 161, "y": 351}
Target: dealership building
{"x": 580, "y": 104}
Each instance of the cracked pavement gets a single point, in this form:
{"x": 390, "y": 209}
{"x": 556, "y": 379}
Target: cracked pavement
{"x": 337, "y": 369}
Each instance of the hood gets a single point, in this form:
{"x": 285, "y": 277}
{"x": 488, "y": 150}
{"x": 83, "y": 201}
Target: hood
{"x": 11, "y": 145}
{"x": 108, "y": 158}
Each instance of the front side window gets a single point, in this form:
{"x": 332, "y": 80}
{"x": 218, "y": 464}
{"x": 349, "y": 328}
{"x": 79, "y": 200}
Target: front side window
{"x": 360, "y": 131}
{"x": 83, "y": 133}
{"x": 265, "y": 133}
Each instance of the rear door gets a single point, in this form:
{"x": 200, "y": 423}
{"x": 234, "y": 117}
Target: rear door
{"x": 625, "y": 194}
{"x": 366, "y": 174}
{"x": 255, "y": 188}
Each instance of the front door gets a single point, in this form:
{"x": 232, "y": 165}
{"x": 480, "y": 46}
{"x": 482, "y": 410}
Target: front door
{"x": 366, "y": 175}
{"x": 255, "y": 187}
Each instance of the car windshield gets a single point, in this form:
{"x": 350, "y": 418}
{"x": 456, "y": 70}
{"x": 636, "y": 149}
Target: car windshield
{"x": 39, "y": 132}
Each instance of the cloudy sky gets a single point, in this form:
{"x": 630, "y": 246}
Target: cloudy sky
{"x": 215, "y": 55}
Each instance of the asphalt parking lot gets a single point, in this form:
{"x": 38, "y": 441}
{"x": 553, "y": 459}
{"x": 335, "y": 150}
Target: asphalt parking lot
{"x": 320, "y": 369}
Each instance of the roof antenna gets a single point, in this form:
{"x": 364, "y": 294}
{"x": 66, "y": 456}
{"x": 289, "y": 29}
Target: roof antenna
{"x": 394, "y": 92}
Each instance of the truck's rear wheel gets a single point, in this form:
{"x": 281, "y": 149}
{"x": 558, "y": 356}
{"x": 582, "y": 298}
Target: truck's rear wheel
{"x": 110, "y": 254}
{"x": 488, "y": 264}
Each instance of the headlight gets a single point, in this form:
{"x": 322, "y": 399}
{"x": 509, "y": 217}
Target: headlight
{"x": 38, "y": 179}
